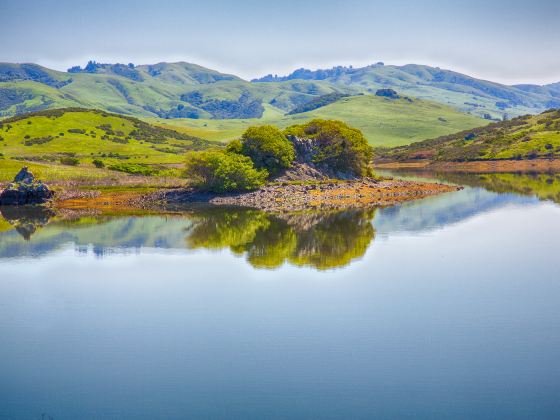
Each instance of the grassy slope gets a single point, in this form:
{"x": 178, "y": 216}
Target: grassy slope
{"x": 383, "y": 121}
{"x": 162, "y": 91}
{"x": 160, "y": 86}
{"x": 43, "y": 159}
{"x": 525, "y": 137}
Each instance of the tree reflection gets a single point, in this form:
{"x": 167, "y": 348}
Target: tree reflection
{"x": 320, "y": 240}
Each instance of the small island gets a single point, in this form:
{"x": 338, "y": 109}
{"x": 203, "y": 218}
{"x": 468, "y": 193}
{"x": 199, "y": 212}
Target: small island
{"x": 321, "y": 164}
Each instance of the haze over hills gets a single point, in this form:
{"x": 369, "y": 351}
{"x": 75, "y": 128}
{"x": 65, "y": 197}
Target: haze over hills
{"x": 184, "y": 90}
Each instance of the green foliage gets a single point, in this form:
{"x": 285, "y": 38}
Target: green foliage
{"x": 319, "y": 102}
{"x": 222, "y": 172}
{"x": 91, "y": 134}
{"x": 234, "y": 146}
{"x": 134, "y": 168}
{"x": 526, "y": 137}
{"x": 98, "y": 163}
{"x": 268, "y": 148}
{"x": 338, "y": 146}
{"x": 69, "y": 160}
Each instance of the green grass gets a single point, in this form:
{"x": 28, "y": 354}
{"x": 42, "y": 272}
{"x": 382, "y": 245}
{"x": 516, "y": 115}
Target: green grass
{"x": 384, "y": 122}
{"x": 528, "y": 137}
{"x": 159, "y": 151}
{"x": 159, "y": 88}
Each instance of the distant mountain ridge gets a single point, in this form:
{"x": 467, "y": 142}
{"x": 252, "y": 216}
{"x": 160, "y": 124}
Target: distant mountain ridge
{"x": 186, "y": 90}
{"x": 423, "y": 81}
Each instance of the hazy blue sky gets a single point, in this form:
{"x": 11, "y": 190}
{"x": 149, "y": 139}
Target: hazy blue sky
{"x": 507, "y": 41}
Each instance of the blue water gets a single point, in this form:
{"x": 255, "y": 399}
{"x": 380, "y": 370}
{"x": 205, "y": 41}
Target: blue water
{"x": 443, "y": 308}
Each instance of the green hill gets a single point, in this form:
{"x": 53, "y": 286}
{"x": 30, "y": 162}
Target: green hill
{"x": 66, "y": 142}
{"x": 165, "y": 90}
{"x": 184, "y": 90}
{"x": 387, "y": 122}
{"x": 464, "y": 93}
{"x": 526, "y": 137}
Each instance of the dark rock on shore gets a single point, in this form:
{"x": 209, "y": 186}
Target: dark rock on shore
{"x": 25, "y": 190}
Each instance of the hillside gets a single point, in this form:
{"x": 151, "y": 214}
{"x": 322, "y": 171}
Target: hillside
{"x": 465, "y": 93}
{"x": 384, "y": 122}
{"x": 165, "y": 90}
{"x": 184, "y": 90}
{"x": 526, "y": 137}
{"x": 82, "y": 142}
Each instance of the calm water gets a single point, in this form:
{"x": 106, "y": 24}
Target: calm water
{"x": 448, "y": 307}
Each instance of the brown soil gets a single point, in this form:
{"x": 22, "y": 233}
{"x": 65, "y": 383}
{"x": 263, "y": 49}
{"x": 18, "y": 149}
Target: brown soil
{"x": 482, "y": 166}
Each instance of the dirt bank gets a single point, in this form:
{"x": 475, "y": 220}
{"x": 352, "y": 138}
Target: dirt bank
{"x": 482, "y": 166}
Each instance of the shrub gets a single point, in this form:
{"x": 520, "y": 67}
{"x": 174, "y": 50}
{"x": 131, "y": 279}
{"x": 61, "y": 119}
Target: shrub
{"x": 234, "y": 146}
{"x": 268, "y": 148}
{"x": 98, "y": 163}
{"x": 338, "y": 146}
{"x": 221, "y": 172}
{"x": 69, "y": 160}
{"x": 134, "y": 168}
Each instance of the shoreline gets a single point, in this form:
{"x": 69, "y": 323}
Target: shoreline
{"x": 280, "y": 197}
{"x": 478, "y": 166}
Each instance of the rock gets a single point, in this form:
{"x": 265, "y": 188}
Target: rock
{"x": 24, "y": 176}
{"x": 25, "y": 190}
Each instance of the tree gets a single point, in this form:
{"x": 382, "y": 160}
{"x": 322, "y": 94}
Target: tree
{"x": 222, "y": 172}
{"x": 337, "y": 146}
{"x": 268, "y": 148}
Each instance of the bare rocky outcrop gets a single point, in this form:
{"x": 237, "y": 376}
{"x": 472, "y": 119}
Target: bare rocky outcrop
{"x": 25, "y": 189}
{"x": 305, "y": 169}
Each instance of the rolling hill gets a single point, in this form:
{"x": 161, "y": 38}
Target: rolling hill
{"x": 184, "y": 90}
{"x": 526, "y": 137}
{"x": 77, "y": 142}
{"x": 164, "y": 90}
{"x": 384, "y": 121}
{"x": 465, "y": 93}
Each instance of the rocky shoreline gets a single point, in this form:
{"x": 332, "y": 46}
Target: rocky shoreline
{"x": 282, "y": 197}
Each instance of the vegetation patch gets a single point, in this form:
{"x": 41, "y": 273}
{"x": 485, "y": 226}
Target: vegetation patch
{"x": 522, "y": 138}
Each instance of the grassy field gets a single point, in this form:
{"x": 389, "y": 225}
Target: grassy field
{"x": 68, "y": 145}
{"x": 528, "y": 137}
{"x": 384, "y": 122}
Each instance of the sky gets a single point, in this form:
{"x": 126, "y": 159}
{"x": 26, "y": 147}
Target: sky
{"x": 504, "y": 41}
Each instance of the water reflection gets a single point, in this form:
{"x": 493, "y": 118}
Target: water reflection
{"x": 545, "y": 186}
{"x": 27, "y": 219}
{"x": 321, "y": 240}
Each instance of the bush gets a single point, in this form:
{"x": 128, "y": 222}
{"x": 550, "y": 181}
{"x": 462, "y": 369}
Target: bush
{"x": 234, "y": 146}
{"x": 69, "y": 160}
{"x": 338, "y": 146}
{"x": 268, "y": 148}
{"x": 98, "y": 163}
{"x": 134, "y": 168}
{"x": 221, "y": 172}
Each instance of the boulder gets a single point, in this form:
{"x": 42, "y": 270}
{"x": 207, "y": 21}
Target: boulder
{"x": 25, "y": 190}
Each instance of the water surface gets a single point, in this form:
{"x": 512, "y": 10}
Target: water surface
{"x": 445, "y": 307}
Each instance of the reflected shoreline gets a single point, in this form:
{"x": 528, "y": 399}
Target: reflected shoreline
{"x": 318, "y": 239}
